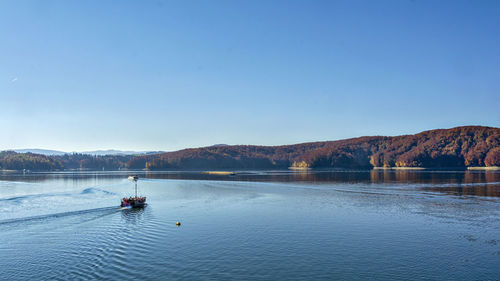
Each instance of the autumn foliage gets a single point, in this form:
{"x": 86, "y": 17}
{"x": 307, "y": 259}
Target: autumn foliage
{"x": 456, "y": 147}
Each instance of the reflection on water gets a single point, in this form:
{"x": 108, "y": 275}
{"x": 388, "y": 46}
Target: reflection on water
{"x": 480, "y": 183}
{"x": 456, "y": 183}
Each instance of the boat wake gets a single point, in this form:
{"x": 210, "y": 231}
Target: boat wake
{"x": 89, "y": 190}
{"x": 22, "y": 206}
{"x": 100, "y": 211}
{"x": 95, "y": 190}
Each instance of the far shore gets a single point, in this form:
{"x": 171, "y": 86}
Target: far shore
{"x": 299, "y": 168}
{"x": 490, "y": 168}
{"x": 10, "y": 171}
{"x": 399, "y": 168}
{"x": 224, "y": 173}
{"x": 234, "y": 172}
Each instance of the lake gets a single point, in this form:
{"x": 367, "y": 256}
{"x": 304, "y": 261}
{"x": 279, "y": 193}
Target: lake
{"x": 258, "y": 225}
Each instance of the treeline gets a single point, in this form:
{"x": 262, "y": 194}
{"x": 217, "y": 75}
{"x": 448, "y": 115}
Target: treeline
{"x": 10, "y": 160}
{"x": 94, "y": 162}
{"x": 457, "y": 147}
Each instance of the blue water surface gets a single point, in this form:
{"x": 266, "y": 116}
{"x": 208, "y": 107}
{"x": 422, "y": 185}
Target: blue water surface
{"x": 255, "y": 225}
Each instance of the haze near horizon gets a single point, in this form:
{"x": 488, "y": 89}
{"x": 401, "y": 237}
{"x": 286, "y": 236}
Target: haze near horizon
{"x": 167, "y": 75}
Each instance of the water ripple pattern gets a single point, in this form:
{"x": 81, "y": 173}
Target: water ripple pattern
{"x": 347, "y": 226}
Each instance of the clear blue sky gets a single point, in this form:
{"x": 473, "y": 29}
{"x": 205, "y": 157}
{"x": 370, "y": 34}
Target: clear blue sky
{"x": 165, "y": 75}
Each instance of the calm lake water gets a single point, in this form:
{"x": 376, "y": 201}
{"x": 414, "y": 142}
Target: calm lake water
{"x": 275, "y": 225}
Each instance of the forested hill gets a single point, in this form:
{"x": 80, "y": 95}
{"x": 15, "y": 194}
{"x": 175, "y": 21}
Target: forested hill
{"x": 10, "y": 160}
{"x": 457, "y": 147}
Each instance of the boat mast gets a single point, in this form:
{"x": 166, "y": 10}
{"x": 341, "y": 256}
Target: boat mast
{"x": 134, "y": 178}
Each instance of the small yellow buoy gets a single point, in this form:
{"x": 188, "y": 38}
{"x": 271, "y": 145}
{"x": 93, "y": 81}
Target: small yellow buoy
{"x": 178, "y": 223}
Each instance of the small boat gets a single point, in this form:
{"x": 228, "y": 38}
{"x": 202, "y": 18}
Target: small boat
{"x": 136, "y": 201}
{"x": 133, "y": 202}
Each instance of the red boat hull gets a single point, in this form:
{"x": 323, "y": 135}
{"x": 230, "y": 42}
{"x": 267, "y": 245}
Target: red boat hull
{"x": 134, "y": 202}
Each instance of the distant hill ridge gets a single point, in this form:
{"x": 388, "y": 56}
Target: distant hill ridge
{"x": 458, "y": 147}
{"x": 93, "y": 152}
{"x": 40, "y": 151}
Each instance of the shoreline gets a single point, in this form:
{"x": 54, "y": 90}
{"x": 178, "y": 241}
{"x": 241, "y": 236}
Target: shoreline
{"x": 399, "y": 168}
{"x": 221, "y": 173}
{"x": 299, "y": 168}
{"x": 473, "y": 168}
{"x": 486, "y": 168}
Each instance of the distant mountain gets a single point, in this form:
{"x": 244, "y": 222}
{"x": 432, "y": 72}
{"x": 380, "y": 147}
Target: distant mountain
{"x": 220, "y": 144}
{"x": 117, "y": 152}
{"x": 40, "y": 151}
{"x": 457, "y": 147}
{"x": 94, "y": 152}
